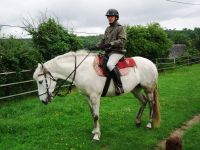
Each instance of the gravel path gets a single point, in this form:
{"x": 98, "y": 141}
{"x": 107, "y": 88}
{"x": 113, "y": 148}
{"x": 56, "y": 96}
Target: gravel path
{"x": 180, "y": 131}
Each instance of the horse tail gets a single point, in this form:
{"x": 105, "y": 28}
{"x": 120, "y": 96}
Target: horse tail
{"x": 156, "y": 109}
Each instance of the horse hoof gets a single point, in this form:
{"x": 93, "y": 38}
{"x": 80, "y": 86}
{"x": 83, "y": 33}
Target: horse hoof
{"x": 93, "y": 132}
{"x": 96, "y": 138}
{"x": 149, "y": 125}
{"x": 138, "y": 124}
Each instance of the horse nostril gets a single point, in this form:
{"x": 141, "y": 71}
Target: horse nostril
{"x": 44, "y": 102}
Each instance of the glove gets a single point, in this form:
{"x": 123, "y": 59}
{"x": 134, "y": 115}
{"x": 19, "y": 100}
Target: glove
{"x": 104, "y": 46}
{"x": 94, "y": 48}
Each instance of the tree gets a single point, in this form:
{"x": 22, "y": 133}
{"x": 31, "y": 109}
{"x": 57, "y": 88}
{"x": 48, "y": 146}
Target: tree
{"x": 52, "y": 39}
{"x": 149, "y": 41}
{"x": 180, "y": 37}
{"x": 18, "y": 54}
{"x": 90, "y": 41}
{"x": 191, "y": 38}
{"x": 197, "y": 38}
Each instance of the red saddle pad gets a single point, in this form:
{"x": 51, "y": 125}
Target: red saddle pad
{"x": 122, "y": 65}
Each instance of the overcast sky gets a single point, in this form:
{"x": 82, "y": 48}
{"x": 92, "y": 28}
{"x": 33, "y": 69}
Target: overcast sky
{"x": 89, "y": 15}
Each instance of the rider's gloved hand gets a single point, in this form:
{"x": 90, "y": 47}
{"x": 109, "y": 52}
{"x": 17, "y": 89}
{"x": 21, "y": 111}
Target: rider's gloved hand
{"x": 93, "y": 48}
{"x": 104, "y": 46}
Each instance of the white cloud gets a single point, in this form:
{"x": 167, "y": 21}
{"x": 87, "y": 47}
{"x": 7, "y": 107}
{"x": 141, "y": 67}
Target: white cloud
{"x": 180, "y": 23}
{"x": 89, "y": 15}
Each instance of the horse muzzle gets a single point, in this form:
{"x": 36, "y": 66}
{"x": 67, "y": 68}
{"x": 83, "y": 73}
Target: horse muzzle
{"x": 45, "y": 102}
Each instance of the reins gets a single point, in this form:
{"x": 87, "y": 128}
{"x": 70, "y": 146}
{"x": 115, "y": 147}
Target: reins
{"x": 45, "y": 72}
{"x": 62, "y": 83}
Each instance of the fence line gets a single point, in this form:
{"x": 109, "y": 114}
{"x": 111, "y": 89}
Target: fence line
{"x": 160, "y": 65}
{"x": 195, "y": 62}
{"x": 15, "y": 83}
{"x": 166, "y": 63}
{"x": 71, "y": 31}
{"x": 19, "y": 94}
{"x": 175, "y": 57}
{"x": 7, "y": 73}
{"x": 177, "y": 62}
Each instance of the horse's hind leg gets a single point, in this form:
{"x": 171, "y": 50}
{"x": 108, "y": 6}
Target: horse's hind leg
{"x": 143, "y": 100}
{"x": 154, "y": 113}
{"x": 151, "y": 107}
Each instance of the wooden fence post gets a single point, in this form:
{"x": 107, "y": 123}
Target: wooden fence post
{"x": 174, "y": 62}
{"x": 157, "y": 63}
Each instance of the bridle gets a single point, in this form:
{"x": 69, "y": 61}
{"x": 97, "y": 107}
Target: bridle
{"x": 46, "y": 72}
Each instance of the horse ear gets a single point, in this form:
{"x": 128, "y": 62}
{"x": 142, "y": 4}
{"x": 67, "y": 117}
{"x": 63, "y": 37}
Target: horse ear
{"x": 39, "y": 65}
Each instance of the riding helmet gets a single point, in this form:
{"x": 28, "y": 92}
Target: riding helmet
{"x": 112, "y": 12}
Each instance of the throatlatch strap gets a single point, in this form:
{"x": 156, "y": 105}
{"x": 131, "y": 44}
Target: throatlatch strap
{"x": 106, "y": 86}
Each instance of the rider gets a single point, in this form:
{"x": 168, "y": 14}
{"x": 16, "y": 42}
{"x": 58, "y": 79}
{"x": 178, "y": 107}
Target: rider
{"x": 113, "y": 43}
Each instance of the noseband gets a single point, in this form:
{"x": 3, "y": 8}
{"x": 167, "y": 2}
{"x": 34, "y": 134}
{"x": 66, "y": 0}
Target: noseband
{"x": 45, "y": 72}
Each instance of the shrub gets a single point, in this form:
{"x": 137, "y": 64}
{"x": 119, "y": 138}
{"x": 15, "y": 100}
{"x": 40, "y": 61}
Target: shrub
{"x": 149, "y": 41}
{"x": 52, "y": 39}
{"x": 17, "y": 55}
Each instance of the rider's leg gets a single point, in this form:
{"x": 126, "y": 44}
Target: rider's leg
{"x": 117, "y": 80}
{"x": 111, "y": 65}
{"x": 105, "y": 60}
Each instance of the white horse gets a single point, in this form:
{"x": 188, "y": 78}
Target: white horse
{"x": 143, "y": 77}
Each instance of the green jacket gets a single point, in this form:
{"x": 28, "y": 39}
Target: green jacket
{"x": 114, "y": 35}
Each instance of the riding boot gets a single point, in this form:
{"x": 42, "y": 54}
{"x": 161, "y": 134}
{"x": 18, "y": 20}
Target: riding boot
{"x": 117, "y": 81}
{"x": 105, "y": 61}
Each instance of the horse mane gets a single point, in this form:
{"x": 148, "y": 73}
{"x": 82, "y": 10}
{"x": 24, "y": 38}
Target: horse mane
{"x": 82, "y": 52}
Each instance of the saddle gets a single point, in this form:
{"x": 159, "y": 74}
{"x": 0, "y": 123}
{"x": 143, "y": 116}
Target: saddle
{"x": 123, "y": 65}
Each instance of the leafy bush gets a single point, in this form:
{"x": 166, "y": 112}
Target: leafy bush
{"x": 179, "y": 37}
{"x": 149, "y": 41}
{"x": 90, "y": 41}
{"x": 197, "y": 38}
{"x": 191, "y": 38}
{"x": 17, "y": 55}
{"x": 52, "y": 39}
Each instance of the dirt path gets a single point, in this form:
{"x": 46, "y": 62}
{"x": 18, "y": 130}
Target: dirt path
{"x": 180, "y": 131}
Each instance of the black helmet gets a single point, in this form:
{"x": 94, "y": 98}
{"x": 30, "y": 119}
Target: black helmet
{"x": 112, "y": 12}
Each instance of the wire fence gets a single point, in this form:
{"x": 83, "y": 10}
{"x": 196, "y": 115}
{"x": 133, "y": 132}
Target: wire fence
{"x": 172, "y": 63}
{"x": 161, "y": 63}
{"x": 7, "y": 87}
{"x": 20, "y": 31}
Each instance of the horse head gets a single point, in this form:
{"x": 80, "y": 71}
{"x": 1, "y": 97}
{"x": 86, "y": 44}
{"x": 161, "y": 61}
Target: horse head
{"x": 46, "y": 83}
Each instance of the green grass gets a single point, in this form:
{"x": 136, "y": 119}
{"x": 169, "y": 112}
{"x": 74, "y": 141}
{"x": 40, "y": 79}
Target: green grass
{"x": 191, "y": 138}
{"x": 66, "y": 123}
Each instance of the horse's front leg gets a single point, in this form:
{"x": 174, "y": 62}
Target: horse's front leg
{"x": 94, "y": 101}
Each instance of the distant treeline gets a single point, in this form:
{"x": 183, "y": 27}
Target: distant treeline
{"x": 51, "y": 39}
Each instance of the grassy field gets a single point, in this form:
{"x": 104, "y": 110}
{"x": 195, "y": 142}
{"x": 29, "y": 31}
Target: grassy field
{"x": 191, "y": 138}
{"x": 66, "y": 123}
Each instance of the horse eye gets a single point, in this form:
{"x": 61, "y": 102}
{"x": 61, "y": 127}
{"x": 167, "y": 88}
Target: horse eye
{"x": 40, "y": 82}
